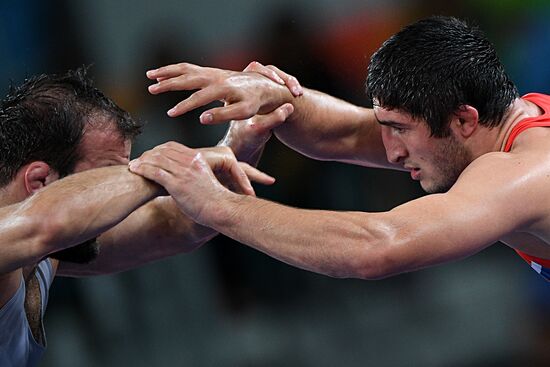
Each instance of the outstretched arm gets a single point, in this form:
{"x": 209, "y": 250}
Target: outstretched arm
{"x": 321, "y": 126}
{"x": 431, "y": 230}
{"x": 64, "y": 214}
{"x": 68, "y": 212}
{"x": 326, "y": 128}
{"x": 159, "y": 229}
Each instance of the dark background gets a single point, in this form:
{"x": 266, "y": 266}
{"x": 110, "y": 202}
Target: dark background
{"x": 228, "y": 305}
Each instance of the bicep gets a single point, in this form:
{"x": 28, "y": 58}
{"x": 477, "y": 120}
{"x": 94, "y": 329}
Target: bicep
{"x": 479, "y": 210}
{"x": 436, "y": 229}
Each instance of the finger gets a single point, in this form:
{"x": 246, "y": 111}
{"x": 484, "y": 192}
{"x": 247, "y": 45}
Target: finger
{"x": 241, "y": 178}
{"x": 257, "y": 67}
{"x": 197, "y": 99}
{"x": 178, "y": 83}
{"x": 273, "y": 119}
{"x": 150, "y": 172}
{"x": 175, "y": 151}
{"x": 291, "y": 82}
{"x": 256, "y": 175}
{"x": 235, "y": 111}
{"x": 170, "y": 71}
{"x": 170, "y": 156}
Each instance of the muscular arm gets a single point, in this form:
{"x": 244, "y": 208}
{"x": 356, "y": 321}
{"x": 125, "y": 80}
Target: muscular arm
{"x": 154, "y": 231}
{"x": 63, "y": 214}
{"x": 159, "y": 229}
{"x": 326, "y": 128}
{"x": 492, "y": 198}
{"x": 321, "y": 126}
{"x": 68, "y": 212}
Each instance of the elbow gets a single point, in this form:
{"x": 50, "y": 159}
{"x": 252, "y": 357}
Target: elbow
{"x": 371, "y": 266}
{"x": 42, "y": 237}
{"x": 48, "y": 236}
{"x": 374, "y": 263}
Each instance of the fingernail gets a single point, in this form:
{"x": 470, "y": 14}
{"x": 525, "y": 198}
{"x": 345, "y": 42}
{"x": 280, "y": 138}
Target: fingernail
{"x": 289, "y": 109}
{"x": 132, "y": 165}
{"x": 206, "y": 118}
{"x": 152, "y": 87}
{"x": 297, "y": 91}
{"x": 171, "y": 112}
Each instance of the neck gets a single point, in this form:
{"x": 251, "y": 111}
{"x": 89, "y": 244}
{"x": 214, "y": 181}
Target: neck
{"x": 493, "y": 140}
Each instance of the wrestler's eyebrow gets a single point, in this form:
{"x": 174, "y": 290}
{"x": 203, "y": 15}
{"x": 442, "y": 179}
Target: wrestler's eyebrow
{"x": 390, "y": 123}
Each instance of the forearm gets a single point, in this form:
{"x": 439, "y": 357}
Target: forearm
{"x": 155, "y": 231}
{"x": 327, "y": 128}
{"x": 70, "y": 211}
{"x": 250, "y": 154}
{"x": 337, "y": 244}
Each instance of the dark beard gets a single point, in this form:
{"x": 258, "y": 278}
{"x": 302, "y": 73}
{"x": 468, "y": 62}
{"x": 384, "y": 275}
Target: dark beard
{"x": 83, "y": 253}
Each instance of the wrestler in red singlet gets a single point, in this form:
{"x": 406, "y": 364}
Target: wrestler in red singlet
{"x": 541, "y": 266}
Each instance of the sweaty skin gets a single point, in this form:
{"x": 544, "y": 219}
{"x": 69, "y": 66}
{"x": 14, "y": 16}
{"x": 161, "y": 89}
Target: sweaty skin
{"x": 496, "y": 196}
{"x": 133, "y": 225}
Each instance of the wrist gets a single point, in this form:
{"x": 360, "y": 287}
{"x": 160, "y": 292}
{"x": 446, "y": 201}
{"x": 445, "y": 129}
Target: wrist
{"x": 274, "y": 96}
{"x": 224, "y": 212}
{"x": 243, "y": 149}
{"x": 150, "y": 188}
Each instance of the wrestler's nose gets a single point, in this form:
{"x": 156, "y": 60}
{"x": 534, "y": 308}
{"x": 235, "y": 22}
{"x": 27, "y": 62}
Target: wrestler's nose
{"x": 396, "y": 150}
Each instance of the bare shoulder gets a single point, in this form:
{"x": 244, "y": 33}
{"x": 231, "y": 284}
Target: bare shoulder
{"x": 516, "y": 183}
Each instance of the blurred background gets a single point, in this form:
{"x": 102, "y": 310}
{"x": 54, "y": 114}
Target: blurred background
{"x": 228, "y": 305}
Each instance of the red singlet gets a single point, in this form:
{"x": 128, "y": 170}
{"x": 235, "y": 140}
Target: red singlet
{"x": 541, "y": 266}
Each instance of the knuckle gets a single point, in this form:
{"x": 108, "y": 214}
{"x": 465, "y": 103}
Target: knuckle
{"x": 155, "y": 174}
{"x": 198, "y": 156}
{"x": 159, "y": 147}
{"x": 168, "y": 83}
{"x": 144, "y": 155}
{"x": 252, "y": 66}
{"x": 226, "y": 150}
{"x": 183, "y": 66}
{"x": 202, "y": 79}
{"x": 248, "y": 108}
{"x": 170, "y": 144}
{"x": 160, "y": 175}
{"x": 280, "y": 114}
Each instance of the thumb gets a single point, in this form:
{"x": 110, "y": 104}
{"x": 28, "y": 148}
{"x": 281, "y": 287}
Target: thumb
{"x": 274, "y": 118}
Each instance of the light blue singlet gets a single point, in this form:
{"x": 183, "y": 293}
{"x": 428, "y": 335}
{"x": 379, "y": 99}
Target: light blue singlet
{"x": 17, "y": 345}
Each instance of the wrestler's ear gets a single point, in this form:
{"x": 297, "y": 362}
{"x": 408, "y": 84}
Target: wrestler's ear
{"x": 37, "y": 175}
{"x": 465, "y": 121}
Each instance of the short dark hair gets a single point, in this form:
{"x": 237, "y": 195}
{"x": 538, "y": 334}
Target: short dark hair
{"x": 432, "y": 67}
{"x": 45, "y": 118}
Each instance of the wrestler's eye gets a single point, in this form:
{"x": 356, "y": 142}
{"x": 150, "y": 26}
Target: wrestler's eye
{"x": 398, "y": 129}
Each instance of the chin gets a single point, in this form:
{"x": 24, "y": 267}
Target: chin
{"x": 432, "y": 187}
{"x": 427, "y": 188}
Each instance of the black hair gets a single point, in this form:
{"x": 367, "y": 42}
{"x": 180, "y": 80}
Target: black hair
{"x": 45, "y": 118}
{"x": 432, "y": 67}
